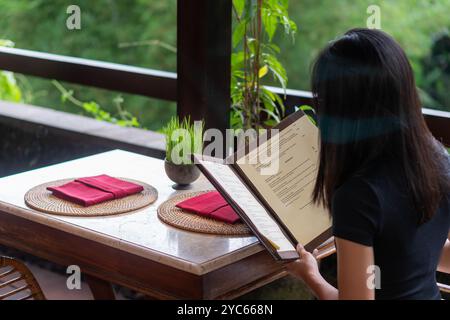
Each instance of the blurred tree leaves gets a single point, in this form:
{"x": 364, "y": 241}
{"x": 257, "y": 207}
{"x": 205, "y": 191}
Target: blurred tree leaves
{"x": 436, "y": 73}
{"x": 9, "y": 90}
{"x": 413, "y": 23}
{"x": 106, "y": 24}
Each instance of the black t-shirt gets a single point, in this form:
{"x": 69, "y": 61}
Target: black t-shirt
{"x": 375, "y": 210}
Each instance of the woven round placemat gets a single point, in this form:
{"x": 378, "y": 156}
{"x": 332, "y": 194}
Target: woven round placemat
{"x": 39, "y": 198}
{"x": 170, "y": 214}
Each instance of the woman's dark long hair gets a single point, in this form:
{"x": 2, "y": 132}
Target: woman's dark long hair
{"x": 368, "y": 109}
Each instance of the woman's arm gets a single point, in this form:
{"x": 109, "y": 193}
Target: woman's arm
{"x": 354, "y": 274}
{"x": 444, "y": 262}
{"x": 354, "y": 261}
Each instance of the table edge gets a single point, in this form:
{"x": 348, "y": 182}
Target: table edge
{"x": 120, "y": 244}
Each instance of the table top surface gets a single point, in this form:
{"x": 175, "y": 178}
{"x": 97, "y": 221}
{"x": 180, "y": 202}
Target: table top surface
{"x": 139, "y": 232}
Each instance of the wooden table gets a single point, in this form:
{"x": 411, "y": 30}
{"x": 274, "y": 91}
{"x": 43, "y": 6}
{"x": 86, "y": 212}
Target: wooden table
{"x": 136, "y": 249}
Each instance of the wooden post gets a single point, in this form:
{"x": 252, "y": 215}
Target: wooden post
{"x": 204, "y": 61}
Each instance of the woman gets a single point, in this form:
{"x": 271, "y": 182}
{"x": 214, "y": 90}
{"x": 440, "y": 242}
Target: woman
{"x": 383, "y": 177}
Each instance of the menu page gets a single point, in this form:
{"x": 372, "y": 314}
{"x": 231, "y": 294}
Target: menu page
{"x": 259, "y": 216}
{"x": 289, "y": 190}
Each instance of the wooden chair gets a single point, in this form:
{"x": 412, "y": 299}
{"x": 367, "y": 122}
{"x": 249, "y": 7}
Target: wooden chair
{"x": 443, "y": 287}
{"x": 17, "y": 282}
{"x": 328, "y": 248}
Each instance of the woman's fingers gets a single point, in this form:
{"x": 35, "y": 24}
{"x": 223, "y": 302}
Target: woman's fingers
{"x": 315, "y": 253}
{"x": 301, "y": 250}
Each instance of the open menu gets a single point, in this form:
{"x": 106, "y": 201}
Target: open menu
{"x": 277, "y": 203}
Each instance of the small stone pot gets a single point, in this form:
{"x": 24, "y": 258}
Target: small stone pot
{"x": 181, "y": 174}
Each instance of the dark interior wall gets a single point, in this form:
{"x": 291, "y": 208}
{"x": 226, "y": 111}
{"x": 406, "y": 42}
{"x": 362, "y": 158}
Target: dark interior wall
{"x": 33, "y": 137}
{"x": 22, "y": 150}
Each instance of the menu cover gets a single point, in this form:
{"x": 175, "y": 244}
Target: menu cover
{"x": 269, "y": 184}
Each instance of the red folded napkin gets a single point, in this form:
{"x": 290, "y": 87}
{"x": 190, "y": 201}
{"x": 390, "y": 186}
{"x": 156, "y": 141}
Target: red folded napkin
{"x": 80, "y": 193}
{"x": 93, "y": 190}
{"x": 117, "y": 187}
{"x": 211, "y": 205}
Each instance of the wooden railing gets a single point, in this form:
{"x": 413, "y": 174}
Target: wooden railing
{"x": 141, "y": 81}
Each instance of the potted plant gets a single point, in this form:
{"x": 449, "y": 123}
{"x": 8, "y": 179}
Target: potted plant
{"x": 182, "y": 140}
{"x": 254, "y": 59}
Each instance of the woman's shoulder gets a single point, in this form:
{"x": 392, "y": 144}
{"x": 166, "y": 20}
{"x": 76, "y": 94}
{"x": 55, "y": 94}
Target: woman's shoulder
{"x": 352, "y": 184}
{"x": 355, "y": 191}
{"x": 356, "y": 211}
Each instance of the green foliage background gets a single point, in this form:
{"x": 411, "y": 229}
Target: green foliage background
{"x": 109, "y": 24}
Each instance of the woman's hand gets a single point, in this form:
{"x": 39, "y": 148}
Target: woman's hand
{"x": 306, "y": 267}
{"x": 353, "y": 260}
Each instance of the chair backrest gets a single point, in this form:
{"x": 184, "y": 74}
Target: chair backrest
{"x": 443, "y": 287}
{"x": 17, "y": 282}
